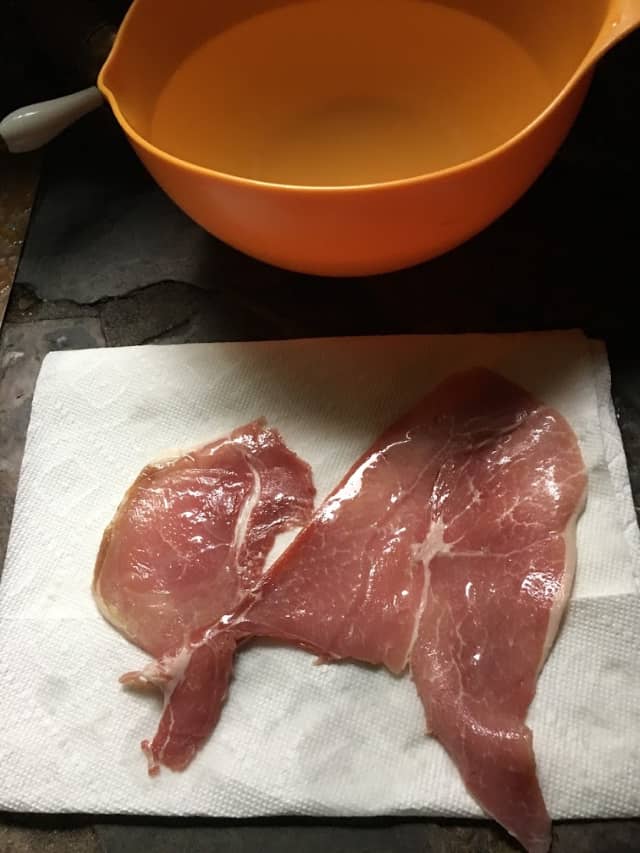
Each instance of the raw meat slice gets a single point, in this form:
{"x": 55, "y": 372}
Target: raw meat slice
{"x": 449, "y": 547}
{"x": 499, "y": 580}
{"x": 194, "y": 694}
{"x": 192, "y": 534}
{"x": 194, "y": 683}
{"x": 189, "y": 539}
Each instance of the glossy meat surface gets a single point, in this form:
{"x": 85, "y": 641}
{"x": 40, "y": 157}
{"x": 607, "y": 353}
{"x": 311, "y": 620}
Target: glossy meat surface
{"x": 504, "y": 518}
{"x": 349, "y": 585}
{"x": 189, "y": 539}
{"x": 449, "y": 545}
{"x": 192, "y": 534}
{"x": 449, "y": 549}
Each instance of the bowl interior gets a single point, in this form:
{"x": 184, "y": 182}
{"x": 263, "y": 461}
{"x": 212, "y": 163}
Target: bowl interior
{"x": 342, "y": 92}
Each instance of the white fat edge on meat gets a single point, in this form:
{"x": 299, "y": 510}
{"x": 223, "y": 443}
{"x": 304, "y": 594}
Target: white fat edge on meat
{"x": 282, "y": 539}
{"x": 111, "y": 614}
{"x": 161, "y": 750}
{"x": 175, "y": 667}
{"x": 242, "y": 522}
{"x": 175, "y": 454}
{"x": 423, "y": 552}
{"x": 250, "y": 503}
{"x": 561, "y": 600}
{"x": 172, "y": 669}
{"x": 433, "y": 546}
{"x": 163, "y": 674}
{"x": 166, "y": 674}
{"x": 165, "y": 458}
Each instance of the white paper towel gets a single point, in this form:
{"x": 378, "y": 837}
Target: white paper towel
{"x": 294, "y": 738}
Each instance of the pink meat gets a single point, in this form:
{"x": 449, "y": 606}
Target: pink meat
{"x": 449, "y": 547}
{"x": 188, "y": 541}
{"x": 501, "y": 559}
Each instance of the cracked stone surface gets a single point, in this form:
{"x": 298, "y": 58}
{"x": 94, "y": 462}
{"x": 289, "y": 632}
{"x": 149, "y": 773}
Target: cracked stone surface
{"x": 109, "y": 260}
{"x": 17, "y": 189}
{"x": 362, "y": 837}
{"x": 23, "y": 839}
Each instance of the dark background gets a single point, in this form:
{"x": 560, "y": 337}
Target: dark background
{"x": 566, "y": 255}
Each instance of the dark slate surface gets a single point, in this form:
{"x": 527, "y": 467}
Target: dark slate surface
{"x": 109, "y": 260}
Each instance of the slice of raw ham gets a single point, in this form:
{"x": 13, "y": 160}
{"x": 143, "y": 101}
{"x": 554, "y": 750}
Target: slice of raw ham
{"x": 189, "y": 539}
{"x": 502, "y": 553}
{"x": 449, "y": 547}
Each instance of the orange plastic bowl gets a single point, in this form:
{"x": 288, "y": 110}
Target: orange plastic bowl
{"x": 352, "y": 137}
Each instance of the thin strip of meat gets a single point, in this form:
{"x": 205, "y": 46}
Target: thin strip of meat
{"x": 187, "y": 542}
{"x": 449, "y": 547}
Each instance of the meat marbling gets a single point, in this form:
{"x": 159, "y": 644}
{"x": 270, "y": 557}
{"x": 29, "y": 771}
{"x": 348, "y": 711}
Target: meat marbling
{"x": 187, "y": 542}
{"x": 448, "y": 548}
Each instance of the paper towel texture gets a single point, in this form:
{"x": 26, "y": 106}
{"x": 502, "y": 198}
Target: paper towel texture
{"x": 294, "y": 738}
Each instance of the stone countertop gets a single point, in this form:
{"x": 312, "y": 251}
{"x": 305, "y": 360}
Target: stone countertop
{"x": 109, "y": 261}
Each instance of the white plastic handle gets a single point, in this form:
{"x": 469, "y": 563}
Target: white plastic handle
{"x": 31, "y": 127}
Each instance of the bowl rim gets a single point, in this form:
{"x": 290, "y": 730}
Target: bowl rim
{"x": 584, "y": 69}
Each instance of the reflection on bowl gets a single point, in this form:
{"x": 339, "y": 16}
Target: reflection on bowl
{"x": 349, "y": 136}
